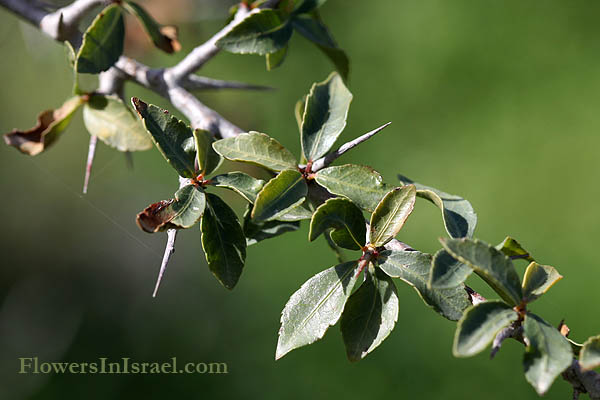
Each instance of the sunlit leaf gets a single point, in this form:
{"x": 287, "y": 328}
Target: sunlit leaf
{"x": 391, "y": 214}
{"x": 447, "y": 271}
{"x": 370, "y": 315}
{"x": 259, "y": 231}
{"x": 324, "y": 116}
{"x": 513, "y": 249}
{"x": 208, "y": 160}
{"x": 362, "y": 185}
{"x": 537, "y": 280}
{"x": 274, "y": 60}
{"x": 316, "y": 306}
{"x": 256, "y": 148}
{"x": 115, "y": 124}
{"x": 278, "y": 196}
{"x": 589, "y": 357}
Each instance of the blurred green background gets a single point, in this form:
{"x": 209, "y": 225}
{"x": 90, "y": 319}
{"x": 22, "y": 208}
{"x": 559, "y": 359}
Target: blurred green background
{"x": 495, "y": 101}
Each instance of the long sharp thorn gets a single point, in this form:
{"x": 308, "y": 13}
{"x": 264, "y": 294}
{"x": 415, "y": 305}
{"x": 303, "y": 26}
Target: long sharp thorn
{"x": 90, "y": 161}
{"x": 169, "y": 250}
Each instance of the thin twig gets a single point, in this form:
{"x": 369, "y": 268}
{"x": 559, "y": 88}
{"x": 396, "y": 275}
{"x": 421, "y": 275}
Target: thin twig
{"x": 331, "y": 157}
{"x": 195, "y": 82}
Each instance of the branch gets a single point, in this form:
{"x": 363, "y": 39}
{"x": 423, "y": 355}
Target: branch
{"x": 195, "y": 82}
{"x": 331, "y": 157}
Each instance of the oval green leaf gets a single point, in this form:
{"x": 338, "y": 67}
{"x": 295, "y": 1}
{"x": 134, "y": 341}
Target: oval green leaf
{"x": 537, "y": 280}
{"x": 115, "y": 124}
{"x": 102, "y": 42}
{"x": 173, "y": 138}
{"x": 223, "y": 241}
{"x": 324, "y": 116}
{"x": 391, "y": 214}
{"x": 370, "y": 315}
{"x": 281, "y": 194}
{"x": 163, "y": 37}
{"x": 513, "y": 249}
{"x": 345, "y": 218}
{"x": 479, "y": 326}
{"x": 241, "y": 183}
{"x": 256, "y": 148}
{"x": 259, "y": 231}
{"x": 361, "y": 184}
{"x": 490, "y": 264}
{"x": 316, "y": 306}
{"x": 261, "y": 33}
{"x": 447, "y": 272}
{"x": 548, "y": 353}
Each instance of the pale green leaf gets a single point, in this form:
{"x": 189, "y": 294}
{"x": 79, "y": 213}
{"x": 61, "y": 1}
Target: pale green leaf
{"x": 259, "y": 231}
{"x": 274, "y": 60}
{"x": 163, "y": 37}
{"x": 548, "y": 353}
{"x": 316, "y": 306}
{"x": 589, "y": 357}
{"x": 362, "y": 185}
{"x": 447, "y": 272}
{"x": 243, "y": 184}
{"x": 513, "y": 249}
{"x": 207, "y": 159}
{"x": 108, "y": 118}
{"x": 256, "y": 148}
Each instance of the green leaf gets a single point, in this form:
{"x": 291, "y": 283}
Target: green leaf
{"x": 316, "y": 306}
{"x": 259, "y": 231}
{"x": 479, "y": 326}
{"x": 173, "y": 137}
{"x": 362, "y": 185}
{"x": 50, "y": 124}
{"x": 547, "y": 355}
{"x": 181, "y": 212}
{"x": 307, "y": 6}
{"x": 299, "y": 112}
{"x": 370, "y": 315}
{"x": 274, "y": 60}
{"x": 490, "y": 264}
{"x": 163, "y": 37}
{"x": 391, "y": 214}
{"x": 297, "y": 213}
{"x": 513, "y": 249}
{"x": 314, "y": 30}
{"x": 223, "y": 241}
{"x": 281, "y": 194}
{"x": 413, "y": 267}
{"x": 261, "y": 33}
{"x": 102, "y": 42}
{"x": 115, "y": 124}
{"x": 208, "y": 160}
{"x": 447, "y": 272}
{"x": 537, "y": 280}
{"x": 243, "y": 184}
{"x": 589, "y": 357}
{"x": 345, "y": 218}
{"x": 458, "y": 214}
{"x": 324, "y": 116}
{"x": 256, "y": 148}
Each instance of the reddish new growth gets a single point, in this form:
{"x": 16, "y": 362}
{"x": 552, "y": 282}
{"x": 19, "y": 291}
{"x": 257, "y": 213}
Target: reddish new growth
{"x": 199, "y": 181}
{"x": 370, "y": 253}
{"x": 306, "y": 171}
